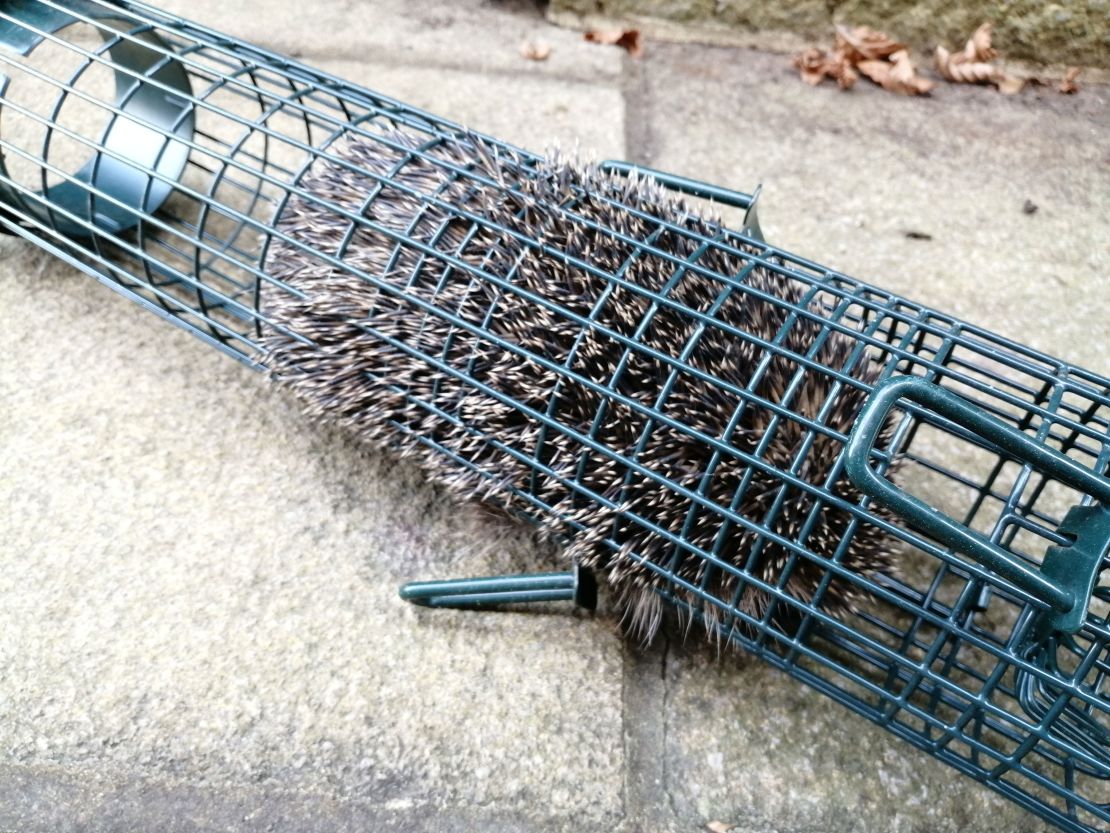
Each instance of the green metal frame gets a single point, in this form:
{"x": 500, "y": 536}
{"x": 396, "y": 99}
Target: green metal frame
{"x": 1068, "y": 575}
{"x": 578, "y": 586}
{"x": 989, "y": 654}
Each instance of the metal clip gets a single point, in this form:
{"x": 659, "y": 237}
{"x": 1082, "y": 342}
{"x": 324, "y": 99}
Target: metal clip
{"x": 1068, "y": 574}
{"x": 697, "y": 188}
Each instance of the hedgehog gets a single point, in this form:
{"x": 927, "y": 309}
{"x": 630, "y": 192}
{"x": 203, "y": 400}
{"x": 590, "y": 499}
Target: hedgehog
{"x": 556, "y": 341}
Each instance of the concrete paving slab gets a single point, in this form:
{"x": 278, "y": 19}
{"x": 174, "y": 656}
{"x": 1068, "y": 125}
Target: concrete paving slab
{"x": 1065, "y": 32}
{"x": 200, "y": 586}
{"x": 200, "y": 589}
{"x": 847, "y": 176}
{"x": 532, "y": 111}
{"x": 198, "y": 621}
{"x": 49, "y": 800}
{"x": 473, "y": 35}
{"x": 753, "y": 748}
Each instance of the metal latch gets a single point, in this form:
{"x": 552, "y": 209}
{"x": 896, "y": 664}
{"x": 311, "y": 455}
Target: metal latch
{"x": 1068, "y": 574}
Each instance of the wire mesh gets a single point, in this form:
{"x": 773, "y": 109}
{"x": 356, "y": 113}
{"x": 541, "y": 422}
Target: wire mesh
{"x": 160, "y": 157}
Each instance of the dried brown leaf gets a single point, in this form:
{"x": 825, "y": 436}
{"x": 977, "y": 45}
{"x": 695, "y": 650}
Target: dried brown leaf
{"x": 978, "y": 48}
{"x": 535, "y": 50}
{"x": 1067, "y": 84}
{"x": 877, "y": 71}
{"x": 861, "y": 43}
{"x": 811, "y": 64}
{"x": 956, "y": 68}
{"x": 846, "y": 77}
{"x": 971, "y": 66}
{"x": 606, "y": 37}
{"x": 1009, "y": 84}
{"x": 860, "y": 49}
{"x": 628, "y": 39}
{"x": 816, "y": 64}
{"x": 898, "y": 75}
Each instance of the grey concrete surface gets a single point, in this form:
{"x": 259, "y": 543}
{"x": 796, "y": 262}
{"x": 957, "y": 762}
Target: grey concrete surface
{"x": 1065, "y": 32}
{"x": 199, "y": 627}
{"x": 847, "y": 175}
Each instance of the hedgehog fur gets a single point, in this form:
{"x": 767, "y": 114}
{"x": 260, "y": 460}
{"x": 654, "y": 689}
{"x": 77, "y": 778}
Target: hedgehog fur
{"x": 356, "y": 356}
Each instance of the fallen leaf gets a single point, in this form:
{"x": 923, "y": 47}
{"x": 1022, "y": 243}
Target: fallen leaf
{"x": 955, "y": 68}
{"x": 906, "y": 76}
{"x": 898, "y": 75}
{"x": 860, "y": 49}
{"x": 811, "y": 64}
{"x": 972, "y": 65}
{"x": 1029, "y": 207}
{"x": 815, "y": 65}
{"x": 1009, "y": 84}
{"x": 535, "y": 50}
{"x": 860, "y": 43}
{"x": 628, "y": 39}
{"x": 978, "y": 47}
{"x": 1068, "y": 85}
{"x": 846, "y": 77}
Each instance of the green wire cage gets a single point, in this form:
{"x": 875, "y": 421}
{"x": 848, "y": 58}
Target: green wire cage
{"x": 983, "y": 461}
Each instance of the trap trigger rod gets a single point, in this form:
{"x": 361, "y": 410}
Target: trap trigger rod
{"x": 577, "y": 585}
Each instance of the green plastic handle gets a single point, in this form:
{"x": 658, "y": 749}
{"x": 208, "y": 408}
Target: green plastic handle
{"x": 1068, "y": 575}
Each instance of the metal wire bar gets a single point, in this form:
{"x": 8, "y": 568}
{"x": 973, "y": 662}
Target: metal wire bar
{"x": 946, "y": 654}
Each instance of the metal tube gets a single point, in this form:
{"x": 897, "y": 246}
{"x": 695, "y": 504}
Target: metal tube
{"x": 180, "y": 194}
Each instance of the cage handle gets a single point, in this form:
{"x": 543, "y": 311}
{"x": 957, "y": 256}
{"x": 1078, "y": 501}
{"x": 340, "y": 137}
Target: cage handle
{"x": 1068, "y": 574}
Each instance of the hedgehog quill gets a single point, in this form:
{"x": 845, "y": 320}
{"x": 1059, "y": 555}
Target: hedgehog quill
{"x": 571, "y": 343}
